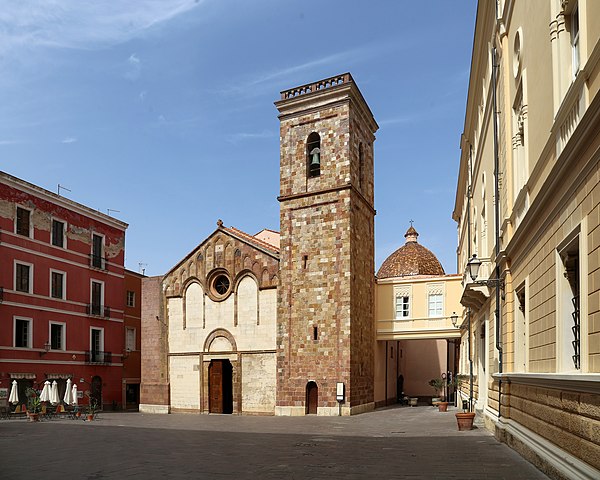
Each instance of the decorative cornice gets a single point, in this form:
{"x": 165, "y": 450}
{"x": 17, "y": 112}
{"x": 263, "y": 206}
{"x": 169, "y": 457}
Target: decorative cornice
{"x": 585, "y": 383}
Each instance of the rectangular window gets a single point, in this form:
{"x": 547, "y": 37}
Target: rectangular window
{"x": 23, "y": 222}
{"x": 97, "y": 251}
{"x": 130, "y": 298}
{"x": 402, "y": 306}
{"x": 22, "y": 278}
{"x": 569, "y": 290}
{"x": 96, "y": 307}
{"x": 436, "y": 304}
{"x": 58, "y": 233}
{"x": 57, "y": 284}
{"x": 97, "y": 345}
{"x": 57, "y": 341}
{"x": 575, "y": 39}
{"x": 130, "y": 339}
{"x": 22, "y": 333}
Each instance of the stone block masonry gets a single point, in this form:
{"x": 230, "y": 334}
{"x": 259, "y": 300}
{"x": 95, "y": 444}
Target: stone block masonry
{"x": 325, "y": 329}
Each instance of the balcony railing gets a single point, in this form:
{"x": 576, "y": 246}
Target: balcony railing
{"x": 98, "y": 358}
{"x": 1, "y": 294}
{"x": 98, "y": 310}
{"x": 97, "y": 261}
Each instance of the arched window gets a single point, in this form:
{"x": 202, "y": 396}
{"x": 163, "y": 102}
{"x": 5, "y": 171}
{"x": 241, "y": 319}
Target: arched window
{"x": 313, "y": 155}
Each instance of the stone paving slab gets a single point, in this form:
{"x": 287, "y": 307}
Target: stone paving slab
{"x": 395, "y": 443}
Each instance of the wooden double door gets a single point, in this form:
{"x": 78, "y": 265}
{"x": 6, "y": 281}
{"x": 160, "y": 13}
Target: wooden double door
{"x": 220, "y": 386}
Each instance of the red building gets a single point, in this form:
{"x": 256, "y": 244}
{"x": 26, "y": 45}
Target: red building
{"x": 62, "y": 293}
{"x": 132, "y": 357}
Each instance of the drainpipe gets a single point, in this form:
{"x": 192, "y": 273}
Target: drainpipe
{"x": 469, "y": 196}
{"x": 497, "y": 228}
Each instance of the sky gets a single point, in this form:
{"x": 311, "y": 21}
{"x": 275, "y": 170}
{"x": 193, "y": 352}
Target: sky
{"x": 162, "y": 110}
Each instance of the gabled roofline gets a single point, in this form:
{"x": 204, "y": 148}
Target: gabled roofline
{"x": 256, "y": 243}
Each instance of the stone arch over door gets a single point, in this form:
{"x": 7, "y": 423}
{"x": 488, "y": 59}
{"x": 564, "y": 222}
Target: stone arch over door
{"x": 220, "y": 338}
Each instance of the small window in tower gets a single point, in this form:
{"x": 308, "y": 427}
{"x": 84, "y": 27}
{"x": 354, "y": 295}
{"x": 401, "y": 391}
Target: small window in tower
{"x": 304, "y": 261}
{"x": 361, "y": 165}
{"x": 315, "y": 333}
{"x": 313, "y": 152}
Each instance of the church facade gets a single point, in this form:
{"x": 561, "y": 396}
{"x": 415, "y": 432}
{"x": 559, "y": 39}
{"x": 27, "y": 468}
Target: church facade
{"x": 280, "y": 323}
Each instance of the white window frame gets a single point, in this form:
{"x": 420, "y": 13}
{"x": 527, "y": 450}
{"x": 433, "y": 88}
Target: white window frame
{"x": 102, "y": 294}
{"x": 130, "y": 329}
{"x": 101, "y": 329}
{"x": 30, "y": 235}
{"x": 63, "y": 340}
{"x": 52, "y": 220}
{"x": 402, "y": 291}
{"x": 575, "y": 40}
{"x": 30, "y": 286}
{"x": 400, "y": 315}
{"x": 441, "y": 305}
{"x": 29, "y": 332}
{"x": 133, "y": 299}
{"x": 64, "y": 285}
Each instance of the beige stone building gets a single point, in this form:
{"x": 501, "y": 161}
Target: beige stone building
{"x": 209, "y": 325}
{"x": 528, "y": 206}
{"x": 416, "y": 340}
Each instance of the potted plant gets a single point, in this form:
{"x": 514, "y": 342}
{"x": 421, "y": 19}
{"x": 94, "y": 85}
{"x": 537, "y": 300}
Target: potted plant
{"x": 438, "y": 384}
{"x": 34, "y": 405}
{"x": 465, "y": 418}
{"x": 91, "y": 409}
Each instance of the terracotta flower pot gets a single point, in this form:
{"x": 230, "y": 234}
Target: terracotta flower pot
{"x": 34, "y": 417}
{"x": 443, "y": 406}
{"x": 90, "y": 417}
{"x": 465, "y": 420}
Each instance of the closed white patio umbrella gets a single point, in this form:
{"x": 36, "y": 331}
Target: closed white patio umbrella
{"x": 54, "y": 398}
{"x": 74, "y": 394}
{"x": 14, "y": 393}
{"x": 45, "y": 395}
{"x": 68, "y": 398}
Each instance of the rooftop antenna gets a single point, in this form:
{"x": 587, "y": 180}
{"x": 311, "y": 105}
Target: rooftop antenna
{"x": 64, "y": 188}
{"x": 108, "y": 210}
{"x": 142, "y": 267}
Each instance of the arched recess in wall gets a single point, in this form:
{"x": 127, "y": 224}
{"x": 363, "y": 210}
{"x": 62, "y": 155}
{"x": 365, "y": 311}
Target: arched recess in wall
{"x": 313, "y": 155}
{"x": 220, "y": 340}
{"x": 193, "y": 304}
{"x": 246, "y": 298}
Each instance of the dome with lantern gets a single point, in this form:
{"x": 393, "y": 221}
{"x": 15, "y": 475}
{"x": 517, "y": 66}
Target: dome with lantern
{"x": 411, "y": 259}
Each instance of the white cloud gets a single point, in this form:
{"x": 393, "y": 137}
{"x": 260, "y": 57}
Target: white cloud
{"x": 82, "y": 24}
{"x": 68, "y": 140}
{"x": 134, "y": 67}
{"x": 9, "y": 142}
{"x": 238, "y": 137}
{"x": 345, "y": 59}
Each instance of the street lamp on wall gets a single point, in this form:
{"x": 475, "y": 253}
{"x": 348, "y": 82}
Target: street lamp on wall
{"x": 454, "y": 318}
{"x": 47, "y": 347}
{"x": 473, "y": 266}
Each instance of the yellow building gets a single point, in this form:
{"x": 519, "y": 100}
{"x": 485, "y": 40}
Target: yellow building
{"x": 415, "y": 301}
{"x": 528, "y": 208}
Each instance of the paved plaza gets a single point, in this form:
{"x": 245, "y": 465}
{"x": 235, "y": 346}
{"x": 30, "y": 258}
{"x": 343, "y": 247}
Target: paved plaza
{"x": 393, "y": 443}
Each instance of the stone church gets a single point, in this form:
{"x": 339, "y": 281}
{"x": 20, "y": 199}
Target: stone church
{"x": 279, "y": 323}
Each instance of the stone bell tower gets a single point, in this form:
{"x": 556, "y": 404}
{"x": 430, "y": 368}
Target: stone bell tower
{"x": 325, "y": 318}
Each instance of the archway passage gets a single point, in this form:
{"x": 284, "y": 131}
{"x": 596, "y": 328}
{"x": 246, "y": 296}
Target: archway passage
{"x": 96, "y": 391}
{"x": 312, "y": 398}
{"x": 220, "y": 386}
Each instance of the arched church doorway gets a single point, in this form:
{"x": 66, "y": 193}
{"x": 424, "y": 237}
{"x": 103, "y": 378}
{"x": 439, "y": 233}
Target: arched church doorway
{"x": 220, "y": 386}
{"x": 96, "y": 391}
{"x": 312, "y": 398}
